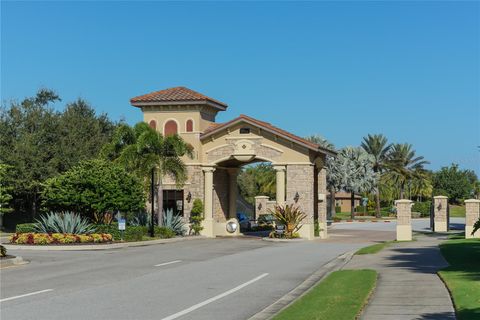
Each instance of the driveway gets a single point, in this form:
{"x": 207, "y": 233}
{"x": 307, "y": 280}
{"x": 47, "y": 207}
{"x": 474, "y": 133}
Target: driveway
{"x": 219, "y": 278}
{"x": 200, "y": 279}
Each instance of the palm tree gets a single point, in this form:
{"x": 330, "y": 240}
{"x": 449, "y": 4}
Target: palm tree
{"x": 354, "y": 173}
{"x": 405, "y": 165}
{"x": 149, "y": 154}
{"x": 330, "y": 163}
{"x": 377, "y": 146}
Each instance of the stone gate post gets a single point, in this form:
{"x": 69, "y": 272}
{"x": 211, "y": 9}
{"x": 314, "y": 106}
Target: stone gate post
{"x": 440, "y": 207}
{"x": 472, "y": 213}
{"x": 261, "y": 206}
{"x": 404, "y": 219}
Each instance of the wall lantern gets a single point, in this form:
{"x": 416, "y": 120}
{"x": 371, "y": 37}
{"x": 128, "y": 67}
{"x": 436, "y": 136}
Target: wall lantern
{"x": 297, "y": 196}
{"x": 259, "y": 206}
{"x": 439, "y": 207}
{"x": 189, "y": 197}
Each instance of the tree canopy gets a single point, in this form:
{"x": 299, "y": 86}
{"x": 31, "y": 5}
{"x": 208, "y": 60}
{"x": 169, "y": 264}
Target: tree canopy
{"x": 93, "y": 188}
{"x": 455, "y": 183}
{"x": 39, "y": 142}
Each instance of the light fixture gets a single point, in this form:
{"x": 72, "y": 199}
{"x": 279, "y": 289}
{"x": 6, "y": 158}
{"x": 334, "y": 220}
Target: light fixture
{"x": 259, "y": 206}
{"x": 189, "y": 197}
{"x": 297, "y": 196}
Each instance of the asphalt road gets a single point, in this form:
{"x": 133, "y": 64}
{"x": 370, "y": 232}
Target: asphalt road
{"x": 200, "y": 279}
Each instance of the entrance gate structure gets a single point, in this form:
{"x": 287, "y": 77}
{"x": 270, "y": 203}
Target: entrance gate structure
{"x": 220, "y": 149}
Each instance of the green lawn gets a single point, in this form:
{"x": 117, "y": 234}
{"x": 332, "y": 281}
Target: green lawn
{"x": 341, "y": 295}
{"x": 374, "y": 248}
{"x": 347, "y": 216}
{"x": 463, "y": 276}
{"x": 457, "y": 211}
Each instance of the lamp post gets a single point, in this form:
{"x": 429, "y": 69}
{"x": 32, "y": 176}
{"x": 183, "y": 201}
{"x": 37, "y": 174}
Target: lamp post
{"x": 152, "y": 191}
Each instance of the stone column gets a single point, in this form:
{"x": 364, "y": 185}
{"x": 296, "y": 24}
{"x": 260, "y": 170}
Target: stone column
{"x": 322, "y": 203}
{"x": 280, "y": 182}
{"x": 261, "y": 206}
{"x": 404, "y": 219}
{"x": 232, "y": 192}
{"x": 300, "y": 179}
{"x": 440, "y": 207}
{"x": 208, "y": 203}
{"x": 472, "y": 208}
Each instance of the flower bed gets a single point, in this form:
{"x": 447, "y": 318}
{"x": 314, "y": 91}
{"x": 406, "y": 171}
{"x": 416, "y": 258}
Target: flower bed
{"x": 59, "y": 238}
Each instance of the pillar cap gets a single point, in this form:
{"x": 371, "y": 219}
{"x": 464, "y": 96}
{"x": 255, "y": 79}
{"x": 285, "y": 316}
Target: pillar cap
{"x": 262, "y": 197}
{"x": 440, "y": 197}
{"x": 472, "y": 201}
{"x": 403, "y": 201}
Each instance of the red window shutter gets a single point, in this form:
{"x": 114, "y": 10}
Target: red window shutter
{"x": 170, "y": 128}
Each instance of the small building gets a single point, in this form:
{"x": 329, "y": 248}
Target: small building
{"x": 220, "y": 149}
{"x": 344, "y": 201}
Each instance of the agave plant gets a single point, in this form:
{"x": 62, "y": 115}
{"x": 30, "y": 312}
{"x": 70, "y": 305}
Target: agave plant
{"x": 141, "y": 218}
{"x": 174, "y": 222}
{"x": 66, "y": 222}
{"x": 290, "y": 216}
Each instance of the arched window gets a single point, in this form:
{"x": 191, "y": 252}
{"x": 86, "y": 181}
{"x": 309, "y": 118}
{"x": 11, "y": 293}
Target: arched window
{"x": 153, "y": 124}
{"x": 189, "y": 125}
{"x": 170, "y": 128}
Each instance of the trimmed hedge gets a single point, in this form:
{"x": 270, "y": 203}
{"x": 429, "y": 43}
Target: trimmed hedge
{"x": 133, "y": 233}
{"x": 25, "y": 228}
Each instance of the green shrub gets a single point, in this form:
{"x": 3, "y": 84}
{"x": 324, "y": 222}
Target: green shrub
{"x": 338, "y": 209}
{"x": 196, "y": 217}
{"x": 133, "y": 233}
{"x": 422, "y": 207}
{"x": 3, "y": 251}
{"x": 25, "y": 227}
{"x": 164, "y": 232}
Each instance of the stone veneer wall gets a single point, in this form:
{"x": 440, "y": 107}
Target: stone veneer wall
{"x": 220, "y": 195}
{"x": 194, "y": 185}
{"x": 322, "y": 188}
{"x": 300, "y": 179}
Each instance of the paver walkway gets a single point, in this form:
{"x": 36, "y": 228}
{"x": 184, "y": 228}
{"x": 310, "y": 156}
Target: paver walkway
{"x": 408, "y": 286}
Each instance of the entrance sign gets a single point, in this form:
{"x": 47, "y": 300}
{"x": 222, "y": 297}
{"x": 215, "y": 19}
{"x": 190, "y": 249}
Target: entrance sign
{"x": 121, "y": 224}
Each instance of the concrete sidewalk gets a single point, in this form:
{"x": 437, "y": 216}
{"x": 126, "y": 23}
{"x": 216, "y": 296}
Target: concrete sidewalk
{"x": 408, "y": 286}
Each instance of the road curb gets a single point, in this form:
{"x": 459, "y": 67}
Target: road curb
{"x": 99, "y": 246}
{"x": 303, "y": 288}
{"x": 15, "y": 261}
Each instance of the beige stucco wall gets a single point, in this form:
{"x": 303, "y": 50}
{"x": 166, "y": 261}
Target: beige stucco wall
{"x": 266, "y": 146}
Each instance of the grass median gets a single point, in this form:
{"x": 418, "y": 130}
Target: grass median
{"x": 342, "y": 295}
{"x": 463, "y": 276}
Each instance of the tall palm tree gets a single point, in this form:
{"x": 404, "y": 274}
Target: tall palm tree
{"x": 405, "y": 165}
{"x": 377, "y": 146}
{"x": 149, "y": 154}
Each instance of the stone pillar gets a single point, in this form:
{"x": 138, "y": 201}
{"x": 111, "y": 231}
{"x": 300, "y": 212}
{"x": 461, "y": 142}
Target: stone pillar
{"x": 322, "y": 203}
{"x": 208, "y": 203}
{"x": 472, "y": 208}
{"x": 232, "y": 193}
{"x": 404, "y": 219}
{"x": 440, "y": 207}
{"x": 261, "y": 206}
{"x": 280, "y": 182}
{"x": 300, "y": 179}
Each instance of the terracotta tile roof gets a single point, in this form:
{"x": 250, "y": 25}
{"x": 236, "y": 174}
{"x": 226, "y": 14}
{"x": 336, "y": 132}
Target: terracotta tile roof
{"x": 177, "y": 94}
{"x": 267, "y": 126}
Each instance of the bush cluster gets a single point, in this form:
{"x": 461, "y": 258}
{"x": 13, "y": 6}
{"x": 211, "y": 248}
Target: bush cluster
{"x": 3, "y": 251}
{"x": 59, "y": 238}
{"x": 25, "y": 227}
{"x": 134, "y": 233}
{"x": 422, "y": 207}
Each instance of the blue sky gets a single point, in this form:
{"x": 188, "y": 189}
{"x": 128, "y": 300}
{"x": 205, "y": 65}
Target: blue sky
{"x": 409, "y": 70}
